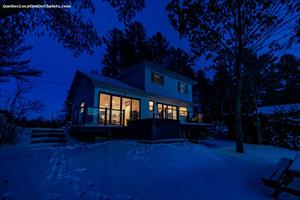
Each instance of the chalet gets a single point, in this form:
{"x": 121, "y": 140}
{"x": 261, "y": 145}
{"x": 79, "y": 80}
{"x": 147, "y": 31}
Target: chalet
{"x": 144, "y": 91}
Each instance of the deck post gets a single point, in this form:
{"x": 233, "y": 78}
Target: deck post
{"x": 188, "y": 116}
{"x": 105, "y": 118}
{"x": 123, "y": 115}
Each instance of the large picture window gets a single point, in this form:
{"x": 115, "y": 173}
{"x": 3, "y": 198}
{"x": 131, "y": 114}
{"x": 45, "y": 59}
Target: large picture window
{"x": 117, "y": 110}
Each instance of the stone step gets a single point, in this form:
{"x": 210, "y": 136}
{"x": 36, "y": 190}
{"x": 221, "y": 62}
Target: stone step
{"x": 48, "y": 140}
{"x": 48, "y": 130}
{"x": 48, "y": 134}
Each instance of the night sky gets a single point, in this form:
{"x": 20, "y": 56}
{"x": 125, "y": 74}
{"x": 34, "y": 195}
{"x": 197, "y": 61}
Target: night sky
{"x": 59, "y": 65}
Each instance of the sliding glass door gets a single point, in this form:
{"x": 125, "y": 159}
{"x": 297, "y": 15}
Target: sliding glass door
{"x": 167, "y": 111}
{"x": 117, "y": 110}
{"x": 126, "y": 107}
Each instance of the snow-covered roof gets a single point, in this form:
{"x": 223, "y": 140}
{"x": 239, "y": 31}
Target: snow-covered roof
{"x": 279, "y": 108}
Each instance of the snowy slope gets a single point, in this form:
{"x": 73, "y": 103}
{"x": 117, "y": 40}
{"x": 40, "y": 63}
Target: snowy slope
{"x": 119, "y": 170}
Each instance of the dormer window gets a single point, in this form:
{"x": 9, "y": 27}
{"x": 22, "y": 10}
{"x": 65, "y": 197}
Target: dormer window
{"x": 183, "y": 87}
{"x": 157, "y": 78}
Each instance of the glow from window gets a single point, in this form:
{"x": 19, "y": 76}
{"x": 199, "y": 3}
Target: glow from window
{"x": 151, "y": 105}
{"x": 183, "y": 111}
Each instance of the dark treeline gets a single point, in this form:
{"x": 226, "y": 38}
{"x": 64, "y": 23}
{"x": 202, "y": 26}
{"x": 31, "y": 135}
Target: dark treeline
{"x": 267, "y": 80}
{"x": 41, "y": 123}
{"x": 128, "y": 47}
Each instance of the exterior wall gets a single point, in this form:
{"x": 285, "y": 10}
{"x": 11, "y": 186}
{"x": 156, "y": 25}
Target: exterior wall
{"x": 169, "y": 89}
{"x": 135, "y": 77}
{"x": 83, "y": 93}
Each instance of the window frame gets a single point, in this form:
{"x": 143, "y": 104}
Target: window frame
{"x": 160, "y": 80}
{"x": 181, "y": 111}
{"x": 121, "y": 102}
{"x": 183, "y": 87}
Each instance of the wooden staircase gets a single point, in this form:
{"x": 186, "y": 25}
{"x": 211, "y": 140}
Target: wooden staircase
{"x": 49, "y": 135}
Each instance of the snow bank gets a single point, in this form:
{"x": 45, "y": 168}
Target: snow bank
{"x": 267, "y": 110}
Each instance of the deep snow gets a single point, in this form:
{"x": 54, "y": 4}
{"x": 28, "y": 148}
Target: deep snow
{"x": 124, "y": 169}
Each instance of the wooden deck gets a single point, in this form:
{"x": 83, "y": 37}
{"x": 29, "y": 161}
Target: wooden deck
{"x": 92, "y": 132}
{"x": 144, "y": 129}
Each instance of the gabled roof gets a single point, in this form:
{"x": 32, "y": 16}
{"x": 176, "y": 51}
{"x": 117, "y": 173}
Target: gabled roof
{"x": 99, "y": 80}
{"x": 159, "y": 68}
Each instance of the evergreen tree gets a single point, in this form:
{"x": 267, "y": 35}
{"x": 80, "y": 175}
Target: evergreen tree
{"x": 11, "y": 50}
{"x": 124, "y": 49}
{"x": 289, "y": 71}
{"x": 181, "y": 62}
{"x": 113, "y": 59}
{"x": 158, "y": 49}
{"x": 136, "y": 44}
{"x": 203, "y": 93}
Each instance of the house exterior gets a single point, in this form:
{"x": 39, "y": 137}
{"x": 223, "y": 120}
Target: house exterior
{"x": 144, "y": 91}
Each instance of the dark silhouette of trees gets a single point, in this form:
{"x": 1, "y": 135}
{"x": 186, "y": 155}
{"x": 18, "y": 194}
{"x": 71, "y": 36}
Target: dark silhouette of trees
{"x": 258, "y": 76}
{"x": 158, "y": 48}
{"x": 289, "y": 75}
{"x": 11, "y": 49}
{"x": 181, "y": 62}
{"x": 114, "y": 56}
{"x": 226, "y": 28}
{"x": 202, "y": 93}
{"x": 126, "y": 10}
{"x": 67, "y": 26}
{"x": 126, "y": 48}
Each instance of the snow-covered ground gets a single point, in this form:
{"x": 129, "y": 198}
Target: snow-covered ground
{"x": 128, "y": 170}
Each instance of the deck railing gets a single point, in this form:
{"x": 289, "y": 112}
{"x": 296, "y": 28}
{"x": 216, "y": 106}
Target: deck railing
{"x": 106, "y": 116}
{"x": 185, "y": 116}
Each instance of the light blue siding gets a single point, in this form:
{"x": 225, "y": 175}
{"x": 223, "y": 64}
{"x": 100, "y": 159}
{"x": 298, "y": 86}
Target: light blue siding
{"x": 169, "y": 89}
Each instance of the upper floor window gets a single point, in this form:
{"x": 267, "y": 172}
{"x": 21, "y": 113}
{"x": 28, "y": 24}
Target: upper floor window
{"x": 151, "y": 105}
{"x": 157, "y": 78}
{"x": 183, "y": 88}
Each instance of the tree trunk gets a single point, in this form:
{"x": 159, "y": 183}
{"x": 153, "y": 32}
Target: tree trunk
{"x": 257, "y": 121}
{"x": 238, "y": 112}
{"x": 238, "y": 118}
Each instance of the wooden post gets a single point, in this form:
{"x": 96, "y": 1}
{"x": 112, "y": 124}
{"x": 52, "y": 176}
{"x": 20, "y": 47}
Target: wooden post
{"x": 123, "y": 114}
{"x": 105, "y": 118}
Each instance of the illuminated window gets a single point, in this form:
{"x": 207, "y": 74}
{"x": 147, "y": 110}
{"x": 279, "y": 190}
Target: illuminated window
{"x": 151, "y": 105}
{"x": 183, "y": 88}
{"x": 157, "y": 78}
{"x": 104, "y": 101}
{"x": 117, "y": 110}
{"x": 183, "y": 111}
{"x": 167, "y": 111}
{"x": 82, "y": 107}
{"x": 135, "y": 109}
